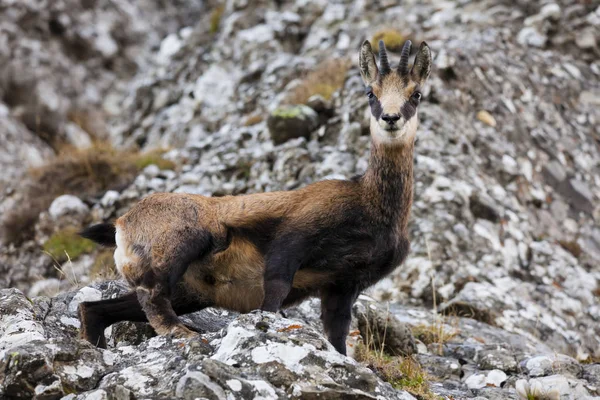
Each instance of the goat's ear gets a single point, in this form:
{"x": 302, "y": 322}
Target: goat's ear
{"x": 422, "y": 67}
{"x": 366, "y": 63}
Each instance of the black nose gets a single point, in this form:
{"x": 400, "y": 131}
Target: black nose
{"x": 390, "y": 118}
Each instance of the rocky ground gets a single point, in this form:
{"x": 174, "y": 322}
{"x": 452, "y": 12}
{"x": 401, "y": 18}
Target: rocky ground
{"x": 505, "y": 233}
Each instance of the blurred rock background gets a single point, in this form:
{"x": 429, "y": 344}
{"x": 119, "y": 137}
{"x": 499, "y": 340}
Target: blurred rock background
{"x": 105, "y": 101}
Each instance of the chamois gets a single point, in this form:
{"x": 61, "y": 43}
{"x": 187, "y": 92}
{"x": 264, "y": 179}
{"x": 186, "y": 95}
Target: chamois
{"x": 182, "y": 252}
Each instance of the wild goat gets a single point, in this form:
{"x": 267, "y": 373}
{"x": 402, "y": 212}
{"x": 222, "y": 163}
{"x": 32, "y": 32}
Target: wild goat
{"x": 332, "y": 239}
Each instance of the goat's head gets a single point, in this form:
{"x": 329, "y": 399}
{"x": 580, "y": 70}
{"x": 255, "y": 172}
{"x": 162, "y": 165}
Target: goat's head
{"x": 394, "y": 94}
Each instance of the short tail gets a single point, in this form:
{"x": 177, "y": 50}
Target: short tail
{"x": 103, "y": 234}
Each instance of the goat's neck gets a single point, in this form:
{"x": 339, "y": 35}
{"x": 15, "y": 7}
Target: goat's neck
{"x": 388, "y": 183}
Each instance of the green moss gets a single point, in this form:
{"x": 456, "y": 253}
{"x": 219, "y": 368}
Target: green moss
{"x": 215, "y": 19}
{"x": 153, "y": 157}
{"x": 68, "y": 242}
{"x": 413, "y": 382}
{"x": 393, "y": 39}
{"x": 288, "y": 112}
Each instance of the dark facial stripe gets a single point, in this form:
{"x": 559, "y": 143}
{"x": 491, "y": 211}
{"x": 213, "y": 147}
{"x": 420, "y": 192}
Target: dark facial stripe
{"x": 408, "y": 110}
{"x": 374, "y": 103}
{"x": 376, "y": 109}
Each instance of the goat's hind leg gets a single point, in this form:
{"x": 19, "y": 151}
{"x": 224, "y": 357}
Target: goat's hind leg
{"x": 95, "y": 316}
{"x": 158, "y": 284}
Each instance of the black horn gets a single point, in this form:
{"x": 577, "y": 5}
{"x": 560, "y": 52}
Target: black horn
{"x": 403, "y": 66}
{"x": 383, "y": 59}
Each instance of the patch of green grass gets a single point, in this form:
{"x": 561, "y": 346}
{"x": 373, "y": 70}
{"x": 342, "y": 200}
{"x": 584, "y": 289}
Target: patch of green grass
{"x": 67, "y": 244}
{"x": 215, "y": 19}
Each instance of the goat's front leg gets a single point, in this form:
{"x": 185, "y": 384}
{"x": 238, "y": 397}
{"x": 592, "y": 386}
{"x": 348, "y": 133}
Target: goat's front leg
{"x": 281, "y": 264}
{"x": 160, "y": 313}
{"x": 277, "y": 286}
{"x": 336, "y": 314}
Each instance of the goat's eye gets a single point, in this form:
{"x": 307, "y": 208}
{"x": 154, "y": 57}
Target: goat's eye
{"x": 417, "y": 96}
{"x": 370, "y": 95}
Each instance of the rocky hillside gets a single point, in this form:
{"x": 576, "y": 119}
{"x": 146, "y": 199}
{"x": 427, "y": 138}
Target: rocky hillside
{"x": 502, "y": 287}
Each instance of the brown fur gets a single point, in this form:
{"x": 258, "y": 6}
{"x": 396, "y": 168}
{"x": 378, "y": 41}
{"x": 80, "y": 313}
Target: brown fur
{"x": 235, "y": 277}
{"x": 152, "y": 227}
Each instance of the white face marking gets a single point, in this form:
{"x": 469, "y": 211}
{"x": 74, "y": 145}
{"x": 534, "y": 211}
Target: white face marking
{"x": 405, "y": 132}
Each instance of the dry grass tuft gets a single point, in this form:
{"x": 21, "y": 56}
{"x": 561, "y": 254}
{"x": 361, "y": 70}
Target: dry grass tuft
{"x": 327, "y": 78}
{"x": 436, "y": 333}
{"x": 403, "y": 373}
{"x": 104, "y": 267}
{"x": 253, "y": 120}
{"x": 88, "y": 172}
{"x": 393, "y": 40}
{"x": 571, "y": 246}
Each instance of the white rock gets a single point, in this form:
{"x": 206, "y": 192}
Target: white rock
{"x": 585, "y": 39}
{"x": 288, "y": 355}
{"x": 476, "y": 381}
{"x": 109, "y": 199}
{"x": 67, "y": 204}
{"x": 529, "y": 36}
{"x": 539, "y": 366}
{"x": 45, "y": 287}
{"x": 215, "y": 80}
{"x": 85, "y": 294}
{"x": 234, "y": 384}
{"x": 495, "y": 378}
{"x": 152, "y": 171}
{"x": 77, "y": 136}
{"x": 551, "y": 11}
{"x": 168, "y": 47}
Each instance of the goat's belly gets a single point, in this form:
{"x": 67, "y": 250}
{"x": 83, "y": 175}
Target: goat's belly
{"x": 231, "y": 279}
{"x": 311, "y": 280}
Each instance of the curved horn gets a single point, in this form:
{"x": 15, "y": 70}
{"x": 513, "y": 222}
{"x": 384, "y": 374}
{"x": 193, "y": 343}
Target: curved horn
{"x": 403, "y": 66}
{"x": 383, "y": 60}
